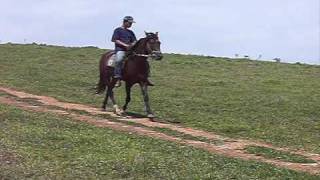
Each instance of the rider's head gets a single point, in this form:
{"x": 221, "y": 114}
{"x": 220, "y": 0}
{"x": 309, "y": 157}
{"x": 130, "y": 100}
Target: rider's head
{"x": 127, "y": 21}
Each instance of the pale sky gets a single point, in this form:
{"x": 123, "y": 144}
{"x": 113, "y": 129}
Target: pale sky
{"x": 287, "y": 29}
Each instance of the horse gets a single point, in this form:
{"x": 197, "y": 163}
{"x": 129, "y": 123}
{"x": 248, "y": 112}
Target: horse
{"x": 135, "y": 70}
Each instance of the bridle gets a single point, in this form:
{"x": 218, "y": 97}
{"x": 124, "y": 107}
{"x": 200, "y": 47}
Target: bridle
{"x": 153, "y": 54}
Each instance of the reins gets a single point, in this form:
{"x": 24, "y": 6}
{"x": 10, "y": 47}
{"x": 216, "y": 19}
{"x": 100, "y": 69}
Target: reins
{"x": 145, "y": 55}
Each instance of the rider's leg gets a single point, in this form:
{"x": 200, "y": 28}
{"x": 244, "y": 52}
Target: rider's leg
{"x": 118, "y": 65}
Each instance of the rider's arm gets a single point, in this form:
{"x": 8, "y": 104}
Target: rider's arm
{"x": 116, "y": 37}
{"x": 120, "y": 43}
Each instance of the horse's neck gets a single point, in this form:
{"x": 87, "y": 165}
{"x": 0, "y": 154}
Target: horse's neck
{"x": 139, "y": 48}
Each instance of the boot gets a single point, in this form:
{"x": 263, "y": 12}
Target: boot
{"x": 118, "y": 83}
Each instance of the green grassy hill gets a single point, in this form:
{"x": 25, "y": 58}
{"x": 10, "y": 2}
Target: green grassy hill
{"x": 266, "y": 101}
{"x": 46, "y": 146}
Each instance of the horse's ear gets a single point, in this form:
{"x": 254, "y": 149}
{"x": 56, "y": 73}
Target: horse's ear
{"x": 146, "y": 33}
{"x": 157, "y": 33}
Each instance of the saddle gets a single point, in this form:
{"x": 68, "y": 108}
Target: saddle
{"x": 112, "y": 60}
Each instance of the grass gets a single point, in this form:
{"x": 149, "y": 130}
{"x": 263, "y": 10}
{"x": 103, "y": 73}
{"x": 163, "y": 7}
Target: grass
{"x": 272, "y": 102}
{"x": 47, "y": 146}
{"x": 274, "y": 154}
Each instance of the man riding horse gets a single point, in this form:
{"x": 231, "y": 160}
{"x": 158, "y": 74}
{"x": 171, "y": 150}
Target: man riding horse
{"x": 134, "y": 70}
{"x": 124, "y": 39}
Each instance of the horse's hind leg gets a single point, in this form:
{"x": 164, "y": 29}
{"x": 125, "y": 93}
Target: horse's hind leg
{"x": 111, "y": 95}
{"x": 144, "y": 90}
{"x": 128, "y": 96}
{"x": 105, "y": 102}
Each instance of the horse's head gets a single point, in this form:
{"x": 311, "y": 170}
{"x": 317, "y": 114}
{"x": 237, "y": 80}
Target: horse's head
{"x": 153, "y": 45}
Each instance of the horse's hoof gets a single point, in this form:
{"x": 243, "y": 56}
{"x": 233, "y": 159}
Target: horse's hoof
{"x": 151, "y": 116}
{"x": 119, "y": 113}
{"x": 117, "y": 110}
{"x": 106, "y": 109}
{"x": 124, "y": 113}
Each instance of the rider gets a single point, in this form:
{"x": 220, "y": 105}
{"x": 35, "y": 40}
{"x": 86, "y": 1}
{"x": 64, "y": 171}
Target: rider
{"x": 124, "y": 39}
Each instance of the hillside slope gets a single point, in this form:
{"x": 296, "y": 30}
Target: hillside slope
{"x": 271, "y": 102}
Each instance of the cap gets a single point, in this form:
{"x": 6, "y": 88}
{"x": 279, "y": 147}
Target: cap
{"x": 129, "y": 19}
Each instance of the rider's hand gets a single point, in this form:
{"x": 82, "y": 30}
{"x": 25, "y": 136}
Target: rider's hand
{"x": 129, "y": 46}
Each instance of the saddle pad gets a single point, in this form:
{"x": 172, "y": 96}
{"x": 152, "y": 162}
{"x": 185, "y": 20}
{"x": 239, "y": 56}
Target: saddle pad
{"x": 111, "y": 61}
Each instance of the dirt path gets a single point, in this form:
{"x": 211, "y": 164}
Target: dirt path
{"x": 231, "y": 147}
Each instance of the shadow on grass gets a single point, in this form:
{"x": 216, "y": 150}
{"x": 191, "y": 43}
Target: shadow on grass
{"x": 137, "y": 115}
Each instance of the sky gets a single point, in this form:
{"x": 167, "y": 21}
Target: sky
{"x": 285, "y": 29}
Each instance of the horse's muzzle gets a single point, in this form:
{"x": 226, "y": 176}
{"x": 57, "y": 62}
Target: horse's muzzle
{"x": 157, "y": 55}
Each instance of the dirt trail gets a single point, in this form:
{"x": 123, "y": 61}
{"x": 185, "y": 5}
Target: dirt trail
{"x": 230, "y": 147}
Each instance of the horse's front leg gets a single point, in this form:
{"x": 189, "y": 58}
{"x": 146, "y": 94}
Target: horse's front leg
{"x": 144, "y": 90}
{"x": 128, "y": 96}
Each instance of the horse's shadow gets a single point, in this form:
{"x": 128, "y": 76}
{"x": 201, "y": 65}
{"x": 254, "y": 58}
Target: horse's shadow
{"x": 135, "y": 115}
{"x": 155, "y": 119}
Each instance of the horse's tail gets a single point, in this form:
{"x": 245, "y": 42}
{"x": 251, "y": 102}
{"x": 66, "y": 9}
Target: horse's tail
{"x": 105, "y": 72}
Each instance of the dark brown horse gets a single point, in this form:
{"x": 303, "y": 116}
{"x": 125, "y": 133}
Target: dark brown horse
{"x": 135, "y": 70}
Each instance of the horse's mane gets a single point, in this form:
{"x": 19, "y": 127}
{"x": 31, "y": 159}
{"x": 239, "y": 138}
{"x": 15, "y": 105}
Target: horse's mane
{"x": 135, "y": 46}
